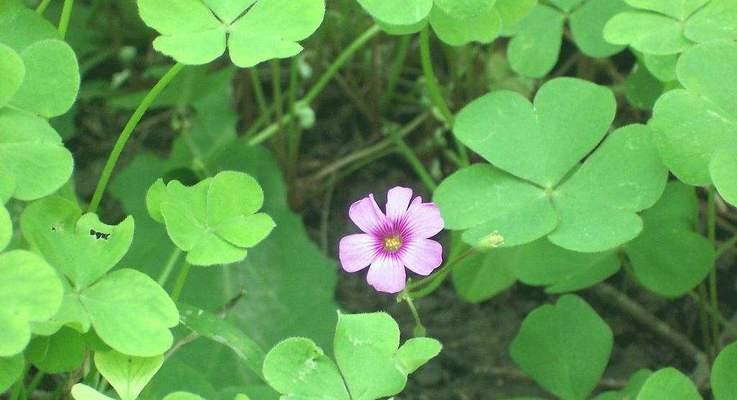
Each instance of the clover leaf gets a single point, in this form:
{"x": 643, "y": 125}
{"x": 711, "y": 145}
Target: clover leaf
{"x": 370, "y": 362}
{"x": 669, "y": 257}
{"x": 29, "y": 291}
{"x": 6, "y": 227}
{"x": 127, "y": 375}
{"x": 664, "y": 27}
{"x": 564, "y": 347}
{"x": 197, "y": 32}
{"x": 214, "y": 221}
{"x": 40, "y": 80}
{"x": 11, "y": 369}
{"x": 666, "y": 384}
{"x": 64, "y": 351}
{"x": 536, "y": 40}
{"x": 129, "y": 311}
{"x": 695, "y": 127}
{"x": 630, "y": 391}
{"x": 537, "y": 186}
{"x": 723, "y": 375}
{"x": 81, "y": 391}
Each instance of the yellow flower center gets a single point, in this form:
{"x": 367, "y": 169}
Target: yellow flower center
{"x": 392, "y": 243}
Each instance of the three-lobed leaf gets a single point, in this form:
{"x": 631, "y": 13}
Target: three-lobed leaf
{"x": 126, "y": 374}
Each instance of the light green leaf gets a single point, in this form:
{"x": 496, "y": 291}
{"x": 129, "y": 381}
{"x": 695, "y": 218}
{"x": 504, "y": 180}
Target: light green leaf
{"x": 566, "y": 5}
{"x": 400, "y": 13}
{"x": 30, "y": 291}
{"x": 669, "y": 257}
{"x": 51, "y": 81}
{"x": 459, "y": 22}
{"x": 131, "y": 313}
{"x": 224, "y": 332}
{"x": 13, "y": 72}
{"x": 80, "y": 246}
{"x": 662, "y": 67}
{"x": 693, "y": 124}
{"x": 298, "y": 368}
{"x": 677, "y": 9}
{"x": 587, "y": 26}
{"x": 488, "y": 200}
{"x": 540, "y": 142}
{"x": 71, "y": 314}
{"x": 513, "y": 11}
{"x": 128, "y": 375}
{"x": 482, "y": 276}
{"x": 184, "y": 396}
{"x": 723, "y": 171}
{"x": 6, "y": 227}
{"x": 668, "y": 384}
{"x": 647, "y": 32}
{"x": 629, "y": 392}
{"x": 24, "y": 27}
{"x": 564, "y": 348}
{"x": 81, "y": 391}
{"x": 598, "y": 217}
{"x": 724, "y": 374}
{"x": 11, "y": 370}
{"x": 32, "y": 152}
{"x": 214, "y": 220}
{"x": 715, "y": 21}
{"x": 64, "y": 351}
{"x": 416, "y": 352}
{"x": 534, "y": 49}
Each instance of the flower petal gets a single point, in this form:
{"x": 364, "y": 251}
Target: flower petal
{"x": 356, "y": 252}
{"x": 422, "y": 256}
{"x": 365, "y": 213}
{"x": 386, "y": 274}
{"x": 423, "y": 220}
{"x": 397, "y": 201}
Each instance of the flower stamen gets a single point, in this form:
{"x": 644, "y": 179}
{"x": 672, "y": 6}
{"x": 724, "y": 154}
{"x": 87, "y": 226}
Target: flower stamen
{"x": 392, "y": 243}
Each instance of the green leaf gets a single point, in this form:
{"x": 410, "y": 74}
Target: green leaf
{"x": 81, "y": 247}
{"x": 647, "y": 32}
{"x": 29, "y": 291}
{"x": 191, "y": 32}
{"x": 597, "y": 206}
{"x": 566, "y": 5}
{"x": 71, "y": 314}
{"x": 13, "y": 72}
{"x": 668, "y": 384}
{"x": 32, "y": 153}
{"x": 482, "y": 276}
{"x": 128, "y": 375}
{"x": 564, "y": 348}
{"x": 24, "y": 27}
{"x": 680, "y": 9}
{"x": 83, "y": 392}
{"x": 11, "y": 370}
{"x": 64, "y": 351}
{"x": 587, "y": 26}
{"x": 669, "y": 257}
{"x": 214, "y": 220}
{"x": 51, "y": 81}
{"x": 459, "y": 22}
{"x": 183, "y": 396}
{"x": 400, "y": 13}
{"x": 416, "y": 352}
{"x": 534, "y": 49}
{"x": 724, "y": 374}
{"x": 224, "y": 332}
{"x": 6, "y": 227}
{"x": 630, "y": 391}
{"x": 724, "y": 174}
{"x": 715, "y": 21}
{"x": 662, "y": 67}
{"x": 131, "y": 313}
{"x": 694, "y": 124}
{"x": 641, "y": 88}
{"x": 299, "y": 368}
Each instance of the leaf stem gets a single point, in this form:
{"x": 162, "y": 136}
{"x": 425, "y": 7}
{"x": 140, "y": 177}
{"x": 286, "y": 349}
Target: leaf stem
{"x": 419, "y": 330}
{"x": 42, "y": 6}
{"x": 433, "y": 88}
{"x": 66, "y": 15}
{"x": 711, "y": 219}
{"x": 166, "y": 271}
{"x": 107, "y": 171}
{"x": 412, "y": 159}
{"x": 181, "y": 280}
{"x": 725, "y": 246}
{"x": 424, "y": 287}
{"x": 344, "y": 56}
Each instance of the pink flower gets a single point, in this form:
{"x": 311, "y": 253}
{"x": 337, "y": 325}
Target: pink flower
{"x": 393, "y": 241}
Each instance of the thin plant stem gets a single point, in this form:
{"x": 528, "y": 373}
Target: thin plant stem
{"x": 343, "y": 58}
{"x": 703, "y": 315}
{"x": 41, "y": 8}
{"x": 711, "y": 220}
{"x": 725, "y": 246}
{"x": 276, "y": 94}
{"x": 35, "y": 381}
{"x": 412, "y": 159}
{"x": 728, "y": 325}
{"x": 125, "y": 134}
{"x": 181, "y": 280}
{"x": 419, "y": 330}
{"x": 395, "y": 71}
{"x": 433, "y": 88}
{"x": 66, "y": 15}
{"x": 295, "y": 130}
{"x": 170, "y": 263}
{"x": 258, "y": 92}
{"x": 425, "y": 286}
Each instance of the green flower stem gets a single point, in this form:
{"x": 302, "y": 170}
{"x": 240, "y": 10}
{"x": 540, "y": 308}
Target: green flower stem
{"x": 711, "y": 220}
{"x": 66, "y": 15}
{"x": 107, "y": 171}
{"x": 419, "y": 330}
{"x": 415, "y": 162}
{"x": 346, "y": 55}
{"x": 425, "y": 286}
{"x": 433, "y": 88}
{"x": 166, "y": 271}
{"x": 395, "y": 71}
{"x": 181, "y": 280}
{"x": 42, "y": 6}
{"x": 258, "y": 92}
